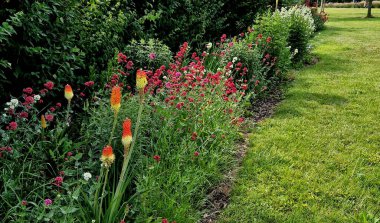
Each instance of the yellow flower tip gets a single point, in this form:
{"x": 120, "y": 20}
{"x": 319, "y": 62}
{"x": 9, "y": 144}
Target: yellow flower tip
{"x": 116, "y": 98}
{"x": 43, "y": 122}
{"x": 141, "y": 79}
{"x": 126, "y": 138}
{"x": 68, "y": 92}
{"x": 108, "y": 157}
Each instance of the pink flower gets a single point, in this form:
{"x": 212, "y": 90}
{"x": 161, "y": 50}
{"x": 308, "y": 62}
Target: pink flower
{"x": 28, "y": 90}
{"x": 24, "y": 114}
{"x": 24, "y": 203}
{"x": 157, "y": 158}
{"x": 58, "y": 181}
{"x": 152, "y": 56}
{"x": 29, "y": 100}
{"x": 129, "y": 65}
{"x": 121, "y": 58}
{"x": 89, "y": 83}
{"x": 52, "y": 109}
{"x": 49, "y": 85}
{"x": 194, "y": 136}
{"x": 49, "y": 117}
{"x": 58, "y": 105}
{"x": 12, "y": 126}
{"x": 82, "y": 94}
{"x": 179, "y": 105}
{"x": 69, "y": 153}
{"x": 196, "y": 153}
{"x": 48, "y": 202}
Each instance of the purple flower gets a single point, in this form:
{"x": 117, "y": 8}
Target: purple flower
{"x": 152, "y": 56}
{"x": 48, "y": 202}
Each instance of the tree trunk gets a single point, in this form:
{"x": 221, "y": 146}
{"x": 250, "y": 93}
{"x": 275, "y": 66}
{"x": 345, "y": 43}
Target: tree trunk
{"x": 369, "y": 12}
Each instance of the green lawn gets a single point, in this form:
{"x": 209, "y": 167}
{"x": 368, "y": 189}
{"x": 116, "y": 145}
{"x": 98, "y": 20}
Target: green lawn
{"x": 318, "y": 158}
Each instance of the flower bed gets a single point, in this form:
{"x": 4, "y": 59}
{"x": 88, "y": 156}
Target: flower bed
{"x": 148, "y": 145}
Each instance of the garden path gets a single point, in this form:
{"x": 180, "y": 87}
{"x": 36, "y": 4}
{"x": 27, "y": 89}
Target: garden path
{"x": 318, "y": 158}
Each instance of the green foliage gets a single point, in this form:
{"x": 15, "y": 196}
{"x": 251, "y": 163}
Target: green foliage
{"x": 61, "y": 40}
{"x": 149, "y": 55}
{"x": 273, "y": 25}
{"x": 300, "y": 31}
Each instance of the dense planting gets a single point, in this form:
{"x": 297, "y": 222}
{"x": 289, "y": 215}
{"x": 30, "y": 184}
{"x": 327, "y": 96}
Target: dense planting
{"x": 146, "y": 139}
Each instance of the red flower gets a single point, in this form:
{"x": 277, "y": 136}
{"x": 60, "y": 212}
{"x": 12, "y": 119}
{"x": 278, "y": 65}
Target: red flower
{"x": 49, "y": 85}
{"x": 269, "y": 39}
{"x": 12, "y": 126}
{"x": 69, "y": 153}
{"x": 179, "y": 105}
{"x": 28, "y": 90}
{"x": 194, "y": 136}
{"x": 157, "y": 158}
{"x": 24, "y": 114}
{"x": 49, "y": 117}
{"x": 164, "y": 220}
{"x": 89, "y": 83}
{"x": 58, "y": 181}
{"x": 196, "y": 153}
{"x": 24, "y": 203}
{"x": 58, "y": 105}
{"x": 260, "y": 36}
{"x": 52, "y": 109}
{"x": 29, "y": 100}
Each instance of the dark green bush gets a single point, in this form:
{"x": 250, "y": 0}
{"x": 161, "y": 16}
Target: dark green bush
{"x": 60, "y": 40}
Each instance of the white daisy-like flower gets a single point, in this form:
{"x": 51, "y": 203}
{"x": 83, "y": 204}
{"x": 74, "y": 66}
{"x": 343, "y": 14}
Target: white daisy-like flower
{"x": 87, "y": 176}
{"x": 234, "y": 59}
{"x": 14, "y": 102}
{"x": 208, "y": 45}
{"x": 37, "y": 97}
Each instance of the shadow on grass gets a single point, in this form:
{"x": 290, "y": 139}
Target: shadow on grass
{"x": 302, "y": 99}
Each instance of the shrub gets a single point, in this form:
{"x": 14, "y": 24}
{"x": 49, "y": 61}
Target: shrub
{"x": 149, "y": 55}
{"x": 273, "y": 28}
{"x": 60, "y": 40}
{"x": 301, "y": 30}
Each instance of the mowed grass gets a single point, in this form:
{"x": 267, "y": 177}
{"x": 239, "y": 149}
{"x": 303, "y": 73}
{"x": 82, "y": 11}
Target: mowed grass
{"x": 318, "y": 158}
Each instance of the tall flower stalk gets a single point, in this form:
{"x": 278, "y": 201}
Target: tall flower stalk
{"x": 69, "y": 94}
{"x": 128, "y": 143}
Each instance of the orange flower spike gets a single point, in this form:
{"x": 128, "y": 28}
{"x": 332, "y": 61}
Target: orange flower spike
{"x": 108, "y": 157}
{"x": 127, "y": 134}
{"x": 116, "y": 98}
{"x": 43, "y": 122}
{"x": 68, "y": 92}
{"x": 141, "y": 80}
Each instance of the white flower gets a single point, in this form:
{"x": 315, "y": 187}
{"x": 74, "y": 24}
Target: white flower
{"x": 295, "y": 51}
{"x": 208, "y": 45}
{"x": 234, "y": 59}
{"x": 37, "y": 97}
{"x": 8, "y": 103}
{"x": 6, "y": 109}
{"x": 87, "y": 176}
{"x": 14, "y": 102}
{"x": 12, "y": 107}
{"x": 93, "y": 221}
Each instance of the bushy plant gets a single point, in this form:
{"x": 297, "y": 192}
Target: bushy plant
{"x": 300, "y": 31}
{"x": 60, "y": 40}
{"x": 273, "y": 28}
{"x": 148, "y": 55}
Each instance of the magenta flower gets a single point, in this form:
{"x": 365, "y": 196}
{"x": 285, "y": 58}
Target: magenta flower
{"x": 152, "y": 56}
{"x": 49, "y": 117}
{"x": 24, "y": 203}
{"x": 12, "y": 126}
{"x": 48, "y": 202}
{"x": 49, "y": 85}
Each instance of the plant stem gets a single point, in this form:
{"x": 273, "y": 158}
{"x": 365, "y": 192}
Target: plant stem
{"x": 67, "y": 112}
{"x": 102, "y": 195}
{"x": 113, "y": 127}
{"x": 118, "y": 194}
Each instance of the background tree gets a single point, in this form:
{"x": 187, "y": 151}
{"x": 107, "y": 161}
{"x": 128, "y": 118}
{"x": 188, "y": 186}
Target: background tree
{"x": 369, "y": 6}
